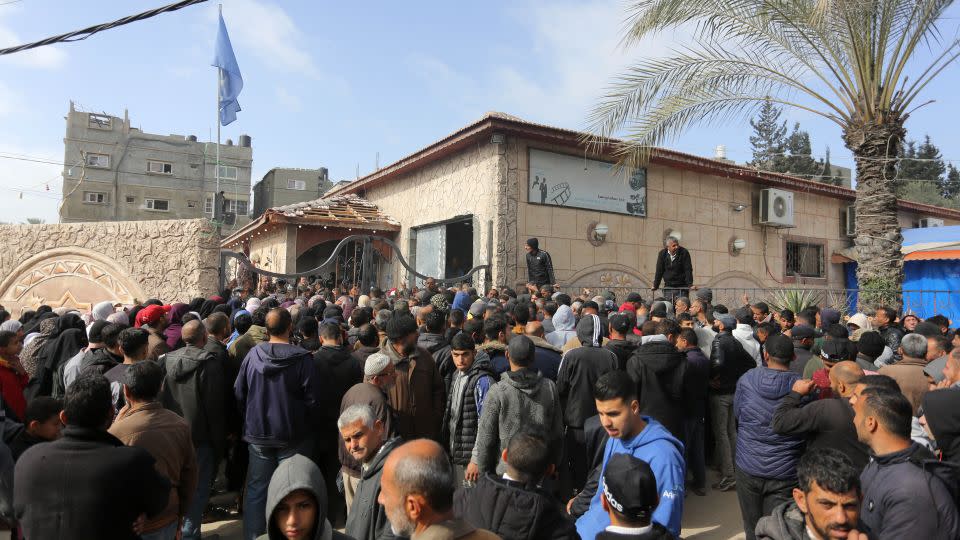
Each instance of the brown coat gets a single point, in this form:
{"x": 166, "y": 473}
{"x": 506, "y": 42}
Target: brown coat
{"x": 166, "y": 436}
{"x": 419, "y": 396}
{"x": 156, "y": 345}
{"x": 454, "y": 529}
{"x": 910, "y": 376}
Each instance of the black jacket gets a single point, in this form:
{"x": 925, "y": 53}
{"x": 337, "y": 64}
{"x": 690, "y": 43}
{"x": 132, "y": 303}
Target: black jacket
{"x": 195, "y": 388}
{"x": 696, "y": 382}
{"x": 827, "y": 423}
{"x": 234, "y": 424}
{"x": 540, "y": 268}
{"x": 460, "y": 443}
{"x": 86, "y": 484}
{"x": 659, "y": 369}
{"x": 904, "y": 497}
{"x": 579, "y": 371}
{"x": 99, "y": 360}
{"x": 338, "y": 371}
{"x": 513, "y": 510}
{"x": 438, "y": 347}
{"x": 676, "y": 274}
{"x": 623, "y": 348}
{"x": 892, "y": 334}
{"x": 728, "y": 361}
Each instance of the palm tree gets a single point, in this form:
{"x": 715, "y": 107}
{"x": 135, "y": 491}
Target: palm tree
{"x": 850, "y": 61}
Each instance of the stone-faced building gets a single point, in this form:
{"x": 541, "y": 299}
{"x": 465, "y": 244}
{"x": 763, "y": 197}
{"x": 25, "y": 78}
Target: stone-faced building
{"x": 116, "y": 172}
{"x": 475, "y": 196}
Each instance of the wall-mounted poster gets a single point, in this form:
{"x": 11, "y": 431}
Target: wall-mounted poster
{"x": 575, "y": 182}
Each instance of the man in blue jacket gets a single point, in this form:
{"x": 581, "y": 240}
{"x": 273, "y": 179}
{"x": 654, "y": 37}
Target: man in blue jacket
{"x": 644, "y": 438}
{"x": 766, "y": 462}
{"x": 277, "y": 392}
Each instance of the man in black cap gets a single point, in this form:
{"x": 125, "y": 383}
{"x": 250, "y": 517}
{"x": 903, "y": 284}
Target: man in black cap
{"x": 802, "y": 337}
{"x": 675, "y": 268}
{"x": 539, "y": 266}
{"x": 629, "y": 498}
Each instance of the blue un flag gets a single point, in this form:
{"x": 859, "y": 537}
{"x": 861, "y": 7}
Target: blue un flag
{"x": 231, "y": 82}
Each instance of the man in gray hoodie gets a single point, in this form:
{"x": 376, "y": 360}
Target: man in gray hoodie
{"x": 523, "y": 399}
{"x": 297, "y": 503}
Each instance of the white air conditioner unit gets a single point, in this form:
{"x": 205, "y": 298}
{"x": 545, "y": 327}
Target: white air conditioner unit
{"x": 851, "y": 221}
{"x": 930, "y": 222}
{"x": 776, "y": 208}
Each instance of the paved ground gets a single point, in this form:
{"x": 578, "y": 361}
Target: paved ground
{"x": 714, "y": 517}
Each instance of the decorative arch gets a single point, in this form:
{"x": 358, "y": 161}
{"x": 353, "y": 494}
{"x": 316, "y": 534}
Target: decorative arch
{"x": 729, "y": 287}
{"x": 68, "y": 277}
{"x": 607, "y": 277}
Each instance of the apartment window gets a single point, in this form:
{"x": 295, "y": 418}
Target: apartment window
{"x": 299, "y": 185}
{"x": 94, "y": 197}
{"x": 191, "y": 204}
{"x": 99, "y": 121}
{"x": 159, "y": 167}
{"x": 805, "y": 260}
{"x": 160, "y": 205}
{"x": 98, "y": 160}
{"x": 237, "y": 207}
{"x": 228, "y": 172}
{"x": 131, "y": 199}
{"x": 208, "y": 206}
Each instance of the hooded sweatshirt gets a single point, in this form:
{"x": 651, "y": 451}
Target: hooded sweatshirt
{"x": 579, "y": 370}
{"x": 194, "y": 388}
{"x": 522, "y": 399}
{"x": 785, "y": 523}
{"x": 744, "y": 334}
{"x": 277, "y": 392}
{"x": 655, "y": 445}
{"x": 659, "y": 370}
{"x": 564, "y": 323}
{"x": 942, "y": 410}
{"x": 292, "y": 474}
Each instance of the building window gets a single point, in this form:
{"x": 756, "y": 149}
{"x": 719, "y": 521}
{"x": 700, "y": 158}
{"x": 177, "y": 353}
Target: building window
{"x": 100, "y": 121}
{"x": 159, "y": 167}
{"x": 208, "y": 206}
{"x": 237, "y": 207}
{"x": 94, "y": 197}
{"x": 228, "y": 172}
{"x": 299, "y": 185}
{"x": 805, "y": 260}
{"x": 131, "y": 199}
{"x": 191, "y": 204}
{"x": 98, "y": 160}
{"x": 160, "y": 205}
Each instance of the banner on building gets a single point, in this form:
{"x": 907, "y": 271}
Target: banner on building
{"x": 575, "y": 182}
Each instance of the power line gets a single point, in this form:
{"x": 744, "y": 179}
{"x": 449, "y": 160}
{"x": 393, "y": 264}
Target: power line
{"x": 80, "y": 35}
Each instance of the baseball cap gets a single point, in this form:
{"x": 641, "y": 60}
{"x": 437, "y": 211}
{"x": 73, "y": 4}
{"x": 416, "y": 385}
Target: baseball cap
{"x": 728, "y": 320}
{"x": 835, "y": 350}
{"x": 802, "y": 331}
{"x": 150, "y": 315}
{"x": 633, "y": 297}
{"x": 630, "y": 487}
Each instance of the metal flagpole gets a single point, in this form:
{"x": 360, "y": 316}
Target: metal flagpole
{"x": 219, "y": 79}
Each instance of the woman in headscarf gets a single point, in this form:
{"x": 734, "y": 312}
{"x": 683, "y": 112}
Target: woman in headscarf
{"x": 30, "y": 357}
{"x": 346, "y": 304}
{"x": 119, "y": 317}
{"x": 195, "y": 304}
{"x": 252, "y": 304}
{"x": 173, "y": 331}
{"x": 207, "y": 308}
{"x": 54, "y": 356}
{"x": 101, "y": 311}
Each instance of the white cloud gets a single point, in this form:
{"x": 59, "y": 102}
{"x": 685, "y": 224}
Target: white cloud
{"x": 287, "y": 100}
{"x": 46, "y": 57}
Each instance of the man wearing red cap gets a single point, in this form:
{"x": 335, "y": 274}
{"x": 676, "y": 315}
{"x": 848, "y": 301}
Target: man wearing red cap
{"x": 153, "y": 319}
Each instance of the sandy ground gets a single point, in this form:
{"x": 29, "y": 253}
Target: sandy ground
{"x": 713, "y": 517}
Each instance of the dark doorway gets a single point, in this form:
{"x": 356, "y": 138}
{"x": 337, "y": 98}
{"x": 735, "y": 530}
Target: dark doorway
{"x": 459, "y": 244}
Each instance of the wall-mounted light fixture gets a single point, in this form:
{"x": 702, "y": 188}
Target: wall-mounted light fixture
{"x": 738, "y": 207}
{"x": 737, "y": 245}
{"x": 597, "y": 233}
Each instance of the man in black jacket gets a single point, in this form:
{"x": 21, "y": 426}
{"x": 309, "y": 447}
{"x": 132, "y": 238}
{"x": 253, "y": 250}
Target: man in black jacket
{"x": 659, "y": 369}
{"x": 885, "y": 321}
{"x": 827, "y": 423}
{"x": 675, "y": 268}
{"x": 579, "y": 371}
{"x": 194, "y": 388}
{"x": 468, "y": 389}
{"x": 539, "y": 265}
{"x": 619, "y": 328}
{"x": 88, "y": 493}
{"x": 728, "y": 361}
{"x": 515, "y": 506}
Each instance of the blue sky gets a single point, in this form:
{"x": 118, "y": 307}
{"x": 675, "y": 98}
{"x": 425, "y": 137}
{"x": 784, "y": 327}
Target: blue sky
{"x": 334, "y": 83}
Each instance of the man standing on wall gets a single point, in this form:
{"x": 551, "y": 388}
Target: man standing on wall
{"x": 674, "y": 267}
{"x": 539, "y": 265}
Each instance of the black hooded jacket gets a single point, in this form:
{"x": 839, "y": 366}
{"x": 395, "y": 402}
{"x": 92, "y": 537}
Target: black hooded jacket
{"x": 195, "y": 388}
{"x": 513, "y": 510}
{"x": 579, "y": 370}
{"x": 99, "y": 360}
{"x": 942, "y": 410}
{"x": 658, "y": 369}
{"x": 624, "y": 349}
{"x": 540, "y": 267}
{"x": 728, "y": 361}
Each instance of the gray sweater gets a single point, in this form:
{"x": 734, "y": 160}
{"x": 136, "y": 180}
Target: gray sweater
{"x": 521, "y": 400}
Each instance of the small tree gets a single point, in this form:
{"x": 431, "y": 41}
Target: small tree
{"x": 769, "y": 137}
{"x": 951, "y": 185}
{"x": 33, "y": 221}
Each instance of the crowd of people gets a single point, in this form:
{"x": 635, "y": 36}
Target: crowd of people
{"x": 443, "y": 413}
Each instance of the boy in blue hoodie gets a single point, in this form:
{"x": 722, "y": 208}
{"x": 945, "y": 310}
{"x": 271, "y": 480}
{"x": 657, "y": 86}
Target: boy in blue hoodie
{"x": 644, "y": 438}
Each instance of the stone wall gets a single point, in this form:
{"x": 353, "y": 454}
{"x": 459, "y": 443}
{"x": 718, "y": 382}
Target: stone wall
{"x": 80, "y": 264}
{"x": 463, "y": 184}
